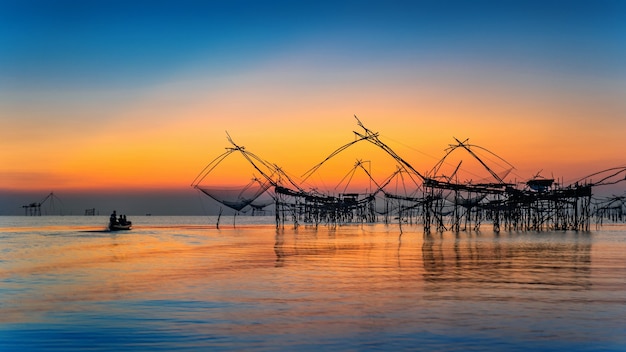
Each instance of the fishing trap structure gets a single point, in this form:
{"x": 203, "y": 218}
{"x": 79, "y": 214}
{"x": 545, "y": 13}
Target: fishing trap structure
{"x": 439, "y": 199}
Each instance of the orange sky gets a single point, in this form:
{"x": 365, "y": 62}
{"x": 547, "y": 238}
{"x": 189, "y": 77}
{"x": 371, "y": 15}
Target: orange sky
{"x": 550, "y": 100}
{"x": 164, "y": 136}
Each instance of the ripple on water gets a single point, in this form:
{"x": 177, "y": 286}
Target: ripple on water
{"x": 176, "y": 286}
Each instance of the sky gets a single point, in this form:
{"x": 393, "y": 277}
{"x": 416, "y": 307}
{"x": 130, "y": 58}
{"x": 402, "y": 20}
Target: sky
{"x": 127, "y": 101}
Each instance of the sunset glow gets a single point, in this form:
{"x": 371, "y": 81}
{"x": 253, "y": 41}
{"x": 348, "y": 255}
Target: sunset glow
{"x": 105, "y": 96}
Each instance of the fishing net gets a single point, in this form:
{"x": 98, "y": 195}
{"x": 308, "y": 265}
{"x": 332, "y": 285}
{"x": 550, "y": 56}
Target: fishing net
{"x": 236, "y": 198}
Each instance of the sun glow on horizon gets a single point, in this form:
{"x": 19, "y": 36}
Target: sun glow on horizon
{"x": 288, "y": 93}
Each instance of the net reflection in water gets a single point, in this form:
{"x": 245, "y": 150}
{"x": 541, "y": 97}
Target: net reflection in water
{"x": 182, "y": 284}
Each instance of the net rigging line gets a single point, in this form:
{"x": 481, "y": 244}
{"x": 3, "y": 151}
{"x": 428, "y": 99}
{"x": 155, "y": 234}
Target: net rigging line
{"x": 236, "y": 198}
{"x": 505, "y": 173}
{"x": 605, "y": 180}
{"x": 371, "y": 137}
{"x": 468, "y": 147}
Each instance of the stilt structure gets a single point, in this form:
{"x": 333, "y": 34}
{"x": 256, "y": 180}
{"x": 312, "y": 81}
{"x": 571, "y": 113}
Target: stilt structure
{"x": 437, "y": 200}
{"x": 34, "y": 209}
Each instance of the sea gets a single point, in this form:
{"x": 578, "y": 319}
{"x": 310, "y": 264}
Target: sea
{"x": 195, "y": 284}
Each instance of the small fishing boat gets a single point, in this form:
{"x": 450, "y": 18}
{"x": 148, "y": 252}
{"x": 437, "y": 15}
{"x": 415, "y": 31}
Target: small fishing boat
{"x": 116, "y": 224}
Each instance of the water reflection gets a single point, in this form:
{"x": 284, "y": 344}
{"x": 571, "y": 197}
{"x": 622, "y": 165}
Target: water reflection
{"x": 278, "y": 248}
{"x": 349, "y": 288}
{"x": 520, "y": 260}
{"x": 313, "y": 243}
{"x": 554, "y": 261}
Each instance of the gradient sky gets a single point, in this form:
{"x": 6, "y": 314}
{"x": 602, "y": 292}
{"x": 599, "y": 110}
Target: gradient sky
{"x": 137, "y": 95}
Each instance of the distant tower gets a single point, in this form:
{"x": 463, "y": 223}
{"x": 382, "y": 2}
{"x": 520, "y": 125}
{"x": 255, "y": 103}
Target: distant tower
{"x": 34, "y": 209}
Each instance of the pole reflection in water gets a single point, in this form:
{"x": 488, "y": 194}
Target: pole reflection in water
{"x": 523, "y": 261}
{"x": 253, "y": 287}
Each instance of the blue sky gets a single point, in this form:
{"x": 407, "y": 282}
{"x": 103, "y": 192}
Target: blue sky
{"x": 87, "y": 86}
{"x": 93, "y": 43}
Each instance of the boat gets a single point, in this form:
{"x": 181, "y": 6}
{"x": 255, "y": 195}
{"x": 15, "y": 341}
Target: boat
{"x": 117, "y": 226}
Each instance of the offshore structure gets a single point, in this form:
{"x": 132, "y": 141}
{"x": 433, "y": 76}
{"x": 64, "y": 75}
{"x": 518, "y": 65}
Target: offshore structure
{"x": 34, "y": 208}
{"x": 436, "y": 200}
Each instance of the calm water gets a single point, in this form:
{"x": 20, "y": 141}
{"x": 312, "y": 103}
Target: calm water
{"x": 178, "y": 283}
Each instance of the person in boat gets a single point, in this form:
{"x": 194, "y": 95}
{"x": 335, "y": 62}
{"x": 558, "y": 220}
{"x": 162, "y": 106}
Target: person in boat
{"x": 113, "y": 218}
{"x": 121, "y": 220}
